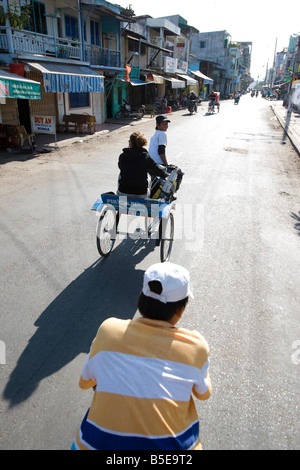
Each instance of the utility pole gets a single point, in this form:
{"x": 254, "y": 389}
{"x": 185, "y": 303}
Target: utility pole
{"x": 266, "y": 77}
{"x": 274, "y": 71}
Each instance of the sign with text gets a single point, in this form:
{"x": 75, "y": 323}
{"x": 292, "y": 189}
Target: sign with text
{"x": 170, "y": 65}
{"x": 20, "y": 89}
{"x": 182, "y": 66}
{"x": 43, "y": 124}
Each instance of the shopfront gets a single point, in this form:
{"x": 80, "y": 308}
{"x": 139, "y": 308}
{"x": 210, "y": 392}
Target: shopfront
{"x": 204, "y": 83}
{"x": 16, "y": 92}
{"x": 191, "y": 84}
{"x": 16, "y": 95}
{"x": 174, "y": 87}
{"x": 68, "y": 89}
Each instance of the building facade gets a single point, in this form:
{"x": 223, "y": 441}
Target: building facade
{"x": 226, "y": 62}
{"x": 90, "y": 55}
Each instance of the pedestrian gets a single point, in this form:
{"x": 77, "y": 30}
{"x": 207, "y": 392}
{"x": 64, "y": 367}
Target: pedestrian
{"x": 135, "y": 163}
{"x": 158, "y": 141}
{"x": 145, "y": 373}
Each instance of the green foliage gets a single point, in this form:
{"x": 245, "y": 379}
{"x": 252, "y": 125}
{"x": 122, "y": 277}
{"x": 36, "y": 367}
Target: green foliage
{"x": 16, "y": 17}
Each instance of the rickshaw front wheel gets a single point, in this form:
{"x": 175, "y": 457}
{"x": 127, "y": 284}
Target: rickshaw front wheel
{"x": 166, "y": 237}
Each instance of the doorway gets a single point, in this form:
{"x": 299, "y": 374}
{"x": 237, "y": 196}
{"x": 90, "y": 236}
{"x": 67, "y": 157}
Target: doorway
{"x": 24, "y": 114}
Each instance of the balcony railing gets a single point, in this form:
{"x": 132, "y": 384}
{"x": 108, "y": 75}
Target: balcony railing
{"x": 101, "y": 56}
{"x": 25, "y": 42}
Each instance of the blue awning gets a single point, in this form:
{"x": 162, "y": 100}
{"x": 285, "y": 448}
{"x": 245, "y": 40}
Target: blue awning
{"x": 134, "y": 81}
{"x": 65, "y": 78}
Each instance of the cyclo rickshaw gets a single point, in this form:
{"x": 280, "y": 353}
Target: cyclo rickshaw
{"x": 211, "y": 105}
{"x": 157, "y": 211}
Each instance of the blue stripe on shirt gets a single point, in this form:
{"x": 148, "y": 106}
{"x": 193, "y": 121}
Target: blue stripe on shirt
{"x": 101, "y": 440}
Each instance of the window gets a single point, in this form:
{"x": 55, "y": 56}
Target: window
{"x": 71, "y": 26}
{"x": 37, "y": 20}
{"x": 95, "y": 33}
{"x": 134, "y": 46}
{"x": 202, "y": 45}
{"x": 79, "y": 100}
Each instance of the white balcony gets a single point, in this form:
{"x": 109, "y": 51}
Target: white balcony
{"x": 25, "y": 42}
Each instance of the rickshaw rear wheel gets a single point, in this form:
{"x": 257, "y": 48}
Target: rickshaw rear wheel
{"x": 106, "y": 232}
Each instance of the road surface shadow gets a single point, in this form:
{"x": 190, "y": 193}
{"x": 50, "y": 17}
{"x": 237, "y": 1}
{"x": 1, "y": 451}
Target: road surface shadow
{"x": 109, "y": 287}
{"x": 297, "y": 224}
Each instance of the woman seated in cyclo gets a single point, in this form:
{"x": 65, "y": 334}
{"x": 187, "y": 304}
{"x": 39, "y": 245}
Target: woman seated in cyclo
{"x": 135, "y": 163}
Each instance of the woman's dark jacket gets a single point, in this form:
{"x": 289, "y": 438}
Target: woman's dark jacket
{"x": 134, "y": 164}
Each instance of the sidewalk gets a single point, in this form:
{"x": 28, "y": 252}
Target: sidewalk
{"x": 292, "y": 127}
{"x": 46, "y": 142}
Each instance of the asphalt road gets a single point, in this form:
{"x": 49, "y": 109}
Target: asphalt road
{"x": 237, "y": 231}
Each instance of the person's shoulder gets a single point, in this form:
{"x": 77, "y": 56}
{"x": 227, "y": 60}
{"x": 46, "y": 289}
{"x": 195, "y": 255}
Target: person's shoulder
{"x": 124, "y": 152}
{"x": 194, "y": 336}
{"x": 112, "y": 323}
{"x": 109, "y": 333}
{"x": 161, "y": 135}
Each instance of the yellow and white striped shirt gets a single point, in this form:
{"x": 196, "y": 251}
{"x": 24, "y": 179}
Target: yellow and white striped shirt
{"x": 145, "y": 372}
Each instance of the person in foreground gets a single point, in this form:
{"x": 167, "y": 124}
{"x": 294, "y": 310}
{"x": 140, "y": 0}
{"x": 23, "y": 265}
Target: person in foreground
{"x": 145, "y": 373}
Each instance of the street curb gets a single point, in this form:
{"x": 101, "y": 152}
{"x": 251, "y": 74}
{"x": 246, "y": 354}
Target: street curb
{"x": 290, "y": 135}
{"x": 83, "y": 138}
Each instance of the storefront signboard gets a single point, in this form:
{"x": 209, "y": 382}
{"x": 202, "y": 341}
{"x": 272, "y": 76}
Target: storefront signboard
{"x": 43, "y": 124}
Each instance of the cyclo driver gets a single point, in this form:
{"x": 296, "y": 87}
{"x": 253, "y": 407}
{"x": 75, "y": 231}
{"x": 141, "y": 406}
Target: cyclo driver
{"x": 212, "y": 98}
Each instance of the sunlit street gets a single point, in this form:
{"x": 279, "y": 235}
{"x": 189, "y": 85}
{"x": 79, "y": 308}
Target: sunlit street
{"x": 235, "y": 233}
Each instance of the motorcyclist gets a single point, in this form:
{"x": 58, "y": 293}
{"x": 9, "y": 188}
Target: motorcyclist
{"x": 237, "y": 98}
{"x": 212, "y": 98}
{"x": 192, "y": 96}
{"x": 193, "y": 99}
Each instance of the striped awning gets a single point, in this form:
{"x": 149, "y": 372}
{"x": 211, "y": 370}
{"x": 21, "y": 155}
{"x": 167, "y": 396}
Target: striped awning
{"x": 206, "y": 80}
{"x": 61, "y": 78}
{"x": 153, "y": 77}
{"x": 175, "y": 83}
{"x": 189, "y": 80}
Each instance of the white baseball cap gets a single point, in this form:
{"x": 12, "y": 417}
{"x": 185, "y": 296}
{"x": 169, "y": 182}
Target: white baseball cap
{"x": 174, "y": 280}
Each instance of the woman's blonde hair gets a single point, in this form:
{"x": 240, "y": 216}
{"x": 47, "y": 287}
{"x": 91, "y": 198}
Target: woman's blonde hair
{"x": 138, "y": 139}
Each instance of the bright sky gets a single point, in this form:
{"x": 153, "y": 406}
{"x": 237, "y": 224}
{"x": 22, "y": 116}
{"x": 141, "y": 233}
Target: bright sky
{"x": 259, "y": 21}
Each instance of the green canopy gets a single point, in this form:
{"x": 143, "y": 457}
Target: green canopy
{"x": 14, "y": 86}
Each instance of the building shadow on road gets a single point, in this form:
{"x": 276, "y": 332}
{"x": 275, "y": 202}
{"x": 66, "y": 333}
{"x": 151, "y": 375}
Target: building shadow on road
{"x": 66, "y": 328}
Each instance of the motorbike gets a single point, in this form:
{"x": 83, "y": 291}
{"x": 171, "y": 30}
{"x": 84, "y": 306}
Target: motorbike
{"x": 192, "y": 106}
{"x": 236, "y": 99}
{"x": 127, "y": 111}
{"x": 211, "y": 107}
